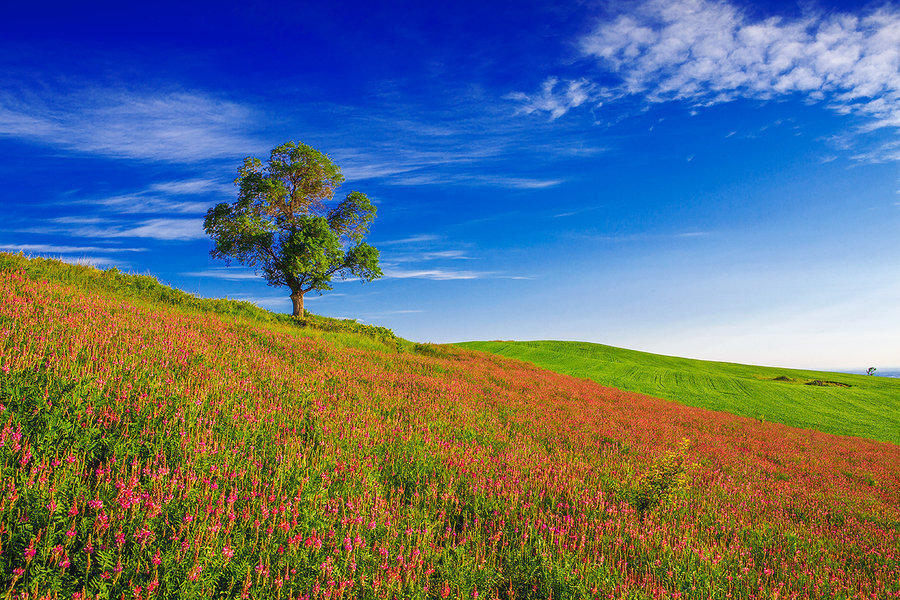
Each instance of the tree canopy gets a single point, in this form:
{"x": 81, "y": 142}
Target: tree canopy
{"x": 282, "y": 223}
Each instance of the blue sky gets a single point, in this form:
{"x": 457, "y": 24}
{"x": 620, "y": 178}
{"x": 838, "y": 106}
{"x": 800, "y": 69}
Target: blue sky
{"x": 700, "y": 178}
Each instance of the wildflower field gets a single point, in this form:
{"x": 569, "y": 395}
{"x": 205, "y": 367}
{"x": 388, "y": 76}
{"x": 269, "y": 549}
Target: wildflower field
{"x": 151, "y": 450}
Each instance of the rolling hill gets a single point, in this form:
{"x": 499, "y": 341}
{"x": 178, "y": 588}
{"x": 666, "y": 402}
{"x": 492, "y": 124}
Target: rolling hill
{"x": 837, "y": 403}
{"x": 157, "y": 445}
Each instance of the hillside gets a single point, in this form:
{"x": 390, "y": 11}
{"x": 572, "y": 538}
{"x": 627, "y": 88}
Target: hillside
{"x": 837, "y": 403}
{"x": 155, "y": 446}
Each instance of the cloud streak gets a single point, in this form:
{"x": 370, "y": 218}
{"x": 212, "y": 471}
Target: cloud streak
{"x": 435, "y": 274}
{"x": 166, "y": 126}
{"x": 142, "y": 203}
{"x": 707, "y": 52}
{"x": 223, "y": 273}
{"x": 167, "y": 197}
{"x": 554, "y": 99}
{"x": 436, "y": 255}
{"x": 157, "y": 229}
{"x": 55, "y": 249}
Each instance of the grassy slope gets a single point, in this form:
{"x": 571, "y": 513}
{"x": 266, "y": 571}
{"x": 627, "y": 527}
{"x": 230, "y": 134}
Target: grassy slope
{"x": 157, "y": 446}
{"x": 869, "y": 407}
{"x": 146, "y": 290}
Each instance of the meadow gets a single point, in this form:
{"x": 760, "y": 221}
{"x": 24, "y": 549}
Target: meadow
{"x": 154, "y": 448}
{"x": 839, "y": 403}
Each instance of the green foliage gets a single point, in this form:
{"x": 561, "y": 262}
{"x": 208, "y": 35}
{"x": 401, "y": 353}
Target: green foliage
{"x": 840, "y": 403}
{"x": 665, "y": 477}
{"x": 281, "y": 224}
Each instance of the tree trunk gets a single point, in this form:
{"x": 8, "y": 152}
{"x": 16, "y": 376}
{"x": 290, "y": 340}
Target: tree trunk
{"x": 297, "y": 299}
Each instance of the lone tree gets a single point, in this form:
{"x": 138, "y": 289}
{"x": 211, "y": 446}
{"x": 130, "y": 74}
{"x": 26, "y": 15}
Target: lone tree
{"x": 281, "y": 223}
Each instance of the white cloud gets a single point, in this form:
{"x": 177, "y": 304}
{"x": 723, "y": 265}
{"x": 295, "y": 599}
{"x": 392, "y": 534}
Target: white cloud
{"x": 358, "y": 171}
{"x": 140, "y": 203}
{"x": 158, "y": 229}
{"x": 431, "y": 171}
{"x": 179, "y": 126}
{"x": 435, "y": 274}
{"x": 437, "y": 255}
{"x": 191, "y": 187}
{"x": 452, "y": 151}
{"x": 224, "y": 273}
{"x": 415, "y": 239}
{"x": 412, "y": 158}
{"x": 473, "y": 180}
{"x": 54, "y": 249}
{"x": 80, "y": 220}
{"x": 518, "y": 183}
{"x": 426, "y": 256}
{"x": 709, "y": 51}
{"x": 156, "y": 199}
{"x": 556, "y": 102}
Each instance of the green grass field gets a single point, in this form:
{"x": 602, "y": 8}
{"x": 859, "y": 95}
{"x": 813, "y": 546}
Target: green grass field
{"x": 836, "y": 403}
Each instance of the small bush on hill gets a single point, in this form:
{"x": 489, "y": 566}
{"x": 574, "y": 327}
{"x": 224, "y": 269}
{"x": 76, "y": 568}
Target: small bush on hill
{"x": 665, "y": 477}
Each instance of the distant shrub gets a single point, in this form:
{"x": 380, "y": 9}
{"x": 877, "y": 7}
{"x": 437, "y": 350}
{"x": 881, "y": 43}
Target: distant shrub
{"x": 665, "y": 477}
{"x": 823, "y": 383}
{"x": 432, "y": 350}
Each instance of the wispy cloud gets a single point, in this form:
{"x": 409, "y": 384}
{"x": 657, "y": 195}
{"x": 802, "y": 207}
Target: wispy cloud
{"x": 578, "y": 211}
{"x": 517, "y": 183}
{"x": 628, "y": 238}
{"x": 166, "y": 197}
{"x": 709, "y": 51}
{"x": 226, "y": 273}
{"x": 555, "y": 99}
{"x": 157, "y": 229}
{"x": 357, "y": 171}
{"x": 56, "y": 249}
{"x": 467, "y": 146}
{"x": 192, "y": 187}
{"x": 142, "y": 203}
{"x": 80, "y": 220}
{"x": 441, "y": 170}
{"x": 435, "y": 274}
{"x": 413, "y": 239}
{"x": 426, "y": 256}
{"x": 475, "y": 180}
{"x": 170, "y": 126}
